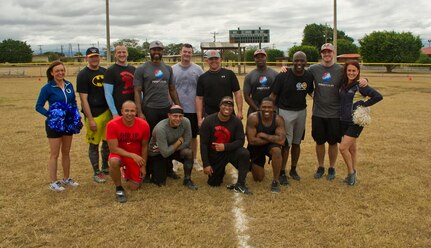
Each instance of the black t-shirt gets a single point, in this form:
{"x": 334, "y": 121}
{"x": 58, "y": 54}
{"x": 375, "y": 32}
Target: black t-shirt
{"x": 291, "y": 90}
{"x": 230, "y": 133}
{"x": 213, "y": 86}
{"x": 122, "y": 79}
{"x": 91, "y": 82}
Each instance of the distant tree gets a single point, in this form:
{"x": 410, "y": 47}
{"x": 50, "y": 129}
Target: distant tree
{"x": 312, "y": 52}
{"x": 135, "y": 54}
{"x": 127, "y": 42}
{"x": 78, "y": 54}
{"x": 271, "y": 54}
{"x": 15, "y": 51}
{"x": 173, "y": 48}
{"x": 54, "y": 55}
{"x": 318, "y": 34}
{"x": 346, "y": 46}
{"x": 424, "y": 59}
{"x": 249, "y": 55}
{"x": 390, "y": 47}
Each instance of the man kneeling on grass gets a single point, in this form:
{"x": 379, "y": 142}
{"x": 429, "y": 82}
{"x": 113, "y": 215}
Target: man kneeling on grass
{"x": 171, "y": 140}
{"x": 222, "y": 139}
{"x": 266, "y": 136}
{"x": 127, "y": 138}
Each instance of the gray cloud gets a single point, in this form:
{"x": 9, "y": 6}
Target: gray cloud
{"x": 43, "y": 22}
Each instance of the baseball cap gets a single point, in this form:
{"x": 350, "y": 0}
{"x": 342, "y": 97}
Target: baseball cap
{"x": 212, "y": 54}
{"x": 92, "y": 51}
{"x": 327, "y": 46}
{"x": 155, "y": 44}
{"x": 226, "y": 100}
{"x": 259, "y": 51}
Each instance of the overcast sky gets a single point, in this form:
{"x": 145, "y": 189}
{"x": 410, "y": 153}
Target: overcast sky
{"x": 52, "y": 23}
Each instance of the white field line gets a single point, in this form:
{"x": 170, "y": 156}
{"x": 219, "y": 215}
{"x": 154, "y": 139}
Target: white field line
{"x": 240, "y": 219}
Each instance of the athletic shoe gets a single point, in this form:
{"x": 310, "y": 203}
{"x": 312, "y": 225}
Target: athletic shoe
{"x": 241, "y": 188}
{"x": 197, "y": 166}
{"x": 99, "y": 177}
{"x": 70, "y": 182}
{"x": 351, "y": 179}
{"x": 105, "y": 171}
{"x": 147, "y": 179}
{"x": 121, "y": 196}
{"x": 230, "y": 186}
{"x": 345, "y": 179}
{"x": 173, "y": 175}
{"x": 56, "y": 186}
{"x": 275, "y": 187}
{"x": 283, "y": 180}
{"x": 189, "y": 184}
{"x": 319, "y": 173}
{"x": 294, "y": 175}
{"x": 331, "y": 174}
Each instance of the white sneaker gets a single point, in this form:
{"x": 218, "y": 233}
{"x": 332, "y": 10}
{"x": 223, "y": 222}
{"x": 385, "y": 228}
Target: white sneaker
{"x": 176, "y": 165}
{"x": 56, "y": 186}
{"x": 70, "y": 182}
{"x": 197, "y": 166}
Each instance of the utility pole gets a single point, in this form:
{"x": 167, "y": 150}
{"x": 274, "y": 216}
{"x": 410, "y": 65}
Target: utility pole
{"x": 214, "y": 36}
{"x": 108, "y": 35}
{"x": 61, "y": 49}
{"x": 79, "y": 50}
{"x": 335, "y": 30}
{"x": 429, "y": 42}
{"x": 40, "y": 49}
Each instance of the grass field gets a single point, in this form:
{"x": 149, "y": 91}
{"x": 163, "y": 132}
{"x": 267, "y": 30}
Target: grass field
{"x": 389, "y": 207}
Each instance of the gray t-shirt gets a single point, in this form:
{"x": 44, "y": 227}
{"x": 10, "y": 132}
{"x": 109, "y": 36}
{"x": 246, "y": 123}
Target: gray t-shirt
{"x": 155, "y": 81}
{"x": 186, "y": 80}
{"x": 327, "y": 83}
{"x": 164, "y": 136}
{"x": 258, "y": 84}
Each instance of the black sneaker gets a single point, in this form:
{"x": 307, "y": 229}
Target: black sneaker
{"x": 294, "y": 175}
{"x": 147, "y": 179}
{"x": 319, "y": 173}
{"x": 241, "y": 188}
{"x": 351, "y": 179}
{"x": 283, "y": 180}
{"x": 105, "y": 171}
{"x": 230, "y": 186}
{"x": 121, "y": 196}
{"x": 189, "y": 184}
{"x": 331, "y": 174}
{"x": 174, "y": 175}
{"x": 275, "y": 187}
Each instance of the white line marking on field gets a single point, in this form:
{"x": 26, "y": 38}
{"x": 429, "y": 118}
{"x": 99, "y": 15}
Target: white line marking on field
{"x": 240, "y": 218}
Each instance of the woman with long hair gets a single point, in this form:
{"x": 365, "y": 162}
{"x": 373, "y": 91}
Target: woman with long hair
{"x": 62, "y": 122}
{"x": 350, "y": 130}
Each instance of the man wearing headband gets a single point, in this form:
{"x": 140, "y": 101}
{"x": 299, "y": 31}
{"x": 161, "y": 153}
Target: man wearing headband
{"x": 171, "y": 140}
{"x": 221, "y": 141}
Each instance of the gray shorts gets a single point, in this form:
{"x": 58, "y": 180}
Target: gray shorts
{"x": 294, "y": 123}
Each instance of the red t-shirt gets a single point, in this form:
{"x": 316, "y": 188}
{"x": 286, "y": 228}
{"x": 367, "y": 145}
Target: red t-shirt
{"x": 129, "y": 138}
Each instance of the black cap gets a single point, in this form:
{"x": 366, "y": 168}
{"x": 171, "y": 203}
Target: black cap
{"x": 92, "y": 51}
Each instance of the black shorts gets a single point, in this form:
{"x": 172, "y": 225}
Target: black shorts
{"x": 351, "y": 129}
{"x": 52, "y": 134}
{"x": 154, "y": 116}
{"x": 193, "y": 118}
{"x": 325, "y": 130}
{"x": 258, "y": 153}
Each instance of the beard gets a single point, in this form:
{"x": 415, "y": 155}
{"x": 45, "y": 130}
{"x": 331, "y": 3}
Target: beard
{"x": 156, "y": 57}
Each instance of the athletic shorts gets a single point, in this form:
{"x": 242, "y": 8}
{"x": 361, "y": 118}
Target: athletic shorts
{"x": 131, "y": 170}
{"x": 258, "y": 153}
{"x": 350, "y": 129}
{"x": 52, "y": 134}
{"x": 325, "y": 130}
{"x": 100, "y": 133}
{"x": 193, "y": 118}
{"x": 294, "y": 123}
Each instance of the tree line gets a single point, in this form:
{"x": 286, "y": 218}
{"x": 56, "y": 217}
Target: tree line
{"x": 376, "y": 47}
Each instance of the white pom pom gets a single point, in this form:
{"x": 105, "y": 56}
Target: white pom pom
{"x": 362, "y": 116}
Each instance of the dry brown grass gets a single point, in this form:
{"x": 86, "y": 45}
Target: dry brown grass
{"x": 389, "y": 207}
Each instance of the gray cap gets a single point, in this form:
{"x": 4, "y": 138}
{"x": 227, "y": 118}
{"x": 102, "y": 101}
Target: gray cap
{"x": 155, "y": 44}
{"x": 212, "y": 54}
{"x": 327, "y": 46}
